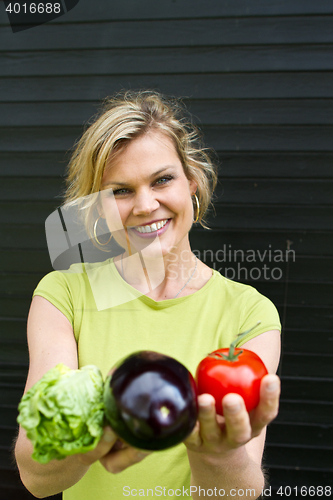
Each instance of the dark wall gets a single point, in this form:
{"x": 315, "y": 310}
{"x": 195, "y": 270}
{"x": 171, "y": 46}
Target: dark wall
{"x": 257, "y": 75}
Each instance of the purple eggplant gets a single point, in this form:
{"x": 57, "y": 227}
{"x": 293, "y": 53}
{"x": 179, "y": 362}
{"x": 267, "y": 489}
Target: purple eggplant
{"x": 151, "y": 401}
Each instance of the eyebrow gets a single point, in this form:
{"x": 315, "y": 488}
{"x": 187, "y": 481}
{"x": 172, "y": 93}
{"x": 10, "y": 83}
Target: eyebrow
{"x": 152, "y": 176}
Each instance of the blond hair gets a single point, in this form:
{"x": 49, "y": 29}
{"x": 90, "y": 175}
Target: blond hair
{"x": 124, "y": 117}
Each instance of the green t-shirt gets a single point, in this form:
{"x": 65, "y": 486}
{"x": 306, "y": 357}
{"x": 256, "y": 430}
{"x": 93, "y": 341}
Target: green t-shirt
{"x": 111, "y": 319}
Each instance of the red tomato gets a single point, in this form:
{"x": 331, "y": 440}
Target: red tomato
{"x": 218, "y": 376}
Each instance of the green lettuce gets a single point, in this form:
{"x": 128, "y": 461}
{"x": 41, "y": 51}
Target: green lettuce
{"x": 63, "y": 413}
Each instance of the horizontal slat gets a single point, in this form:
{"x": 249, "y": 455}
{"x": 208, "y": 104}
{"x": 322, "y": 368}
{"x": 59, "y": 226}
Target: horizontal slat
{"x": 291, "y": 478}
{"x": 16, "y": 303}
{"x": 296, "y": 388}
{"x": 300, "y": 243}
{"x": 232, "y": 165}
{"x": 269, "y": 138}
{"x": 8, "y": 436}
{"x": 290, "y": 412}
{"x": 30, "y": 236}
{"x": 296, "y": 341}
{"x": 296, "y": 478}
{"x": 289, "y": 191}
{"x": 14, "y": 353}
{"x": 20, "y": 284}
{"x": 247, "y": 267}
{"x": 13, "y": 331}
{"x": 148, "y": 9}
{"x": 307, "y": 365}
{"x": 233, "y": 138}
{"x": 12, "y": 488}
{"x": 24, "y": 189}
{"x": 307, "y": 412}
{"x": 307, "y": 458}
{"x": 205, "y": 112}
{"x": 302, "y": 324}
{"x": 270, "y": 165}
{"x": 13, "y": 372}
{"x": 253, "y": 268}
{"x": 11, "y": 393}
{"x": 16, "y": 306}
{"x": 260, "y": 111}
{"x": 231, "y": 216}
{"x": 206, "y": 243}
{"x": 308, "y": 389}
{"x": 310, "y": 318}
{"x": 228, "y": 216}
{"x": 44, "y": 164}
{"x": 31, "y": 139}
{"x": 26, "y": 212}
{"x": 8, "y": 415}
{"x": 169, "y": 60}
{"x": 315, "y": 436}
{"x": 297, "y": 294}
{"x": 263, "y": 85}
{"x": 277, "y": 433}
{"x": 176, "y": 33}
{"x": 272, "y": 191}
{"x": 17, "y": 493}
{"x": 46, "y": 114}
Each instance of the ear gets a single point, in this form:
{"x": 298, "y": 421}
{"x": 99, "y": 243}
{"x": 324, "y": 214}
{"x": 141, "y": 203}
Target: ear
{"x": 193, "y": 187}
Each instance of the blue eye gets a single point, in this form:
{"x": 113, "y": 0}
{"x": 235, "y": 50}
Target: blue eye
{"x": 120, "y": 191}
{"x": 165, "y": 179}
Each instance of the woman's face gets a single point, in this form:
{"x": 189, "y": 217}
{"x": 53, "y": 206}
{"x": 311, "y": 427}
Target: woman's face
{"x": 152, "y": 194}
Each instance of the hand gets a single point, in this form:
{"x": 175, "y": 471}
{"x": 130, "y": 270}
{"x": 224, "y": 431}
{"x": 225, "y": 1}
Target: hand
{"x": 114, "y": 455}
{"x": 216, "y": 435}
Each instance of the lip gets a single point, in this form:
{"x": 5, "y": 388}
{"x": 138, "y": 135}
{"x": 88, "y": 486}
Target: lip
{"x": 154, "y": 233}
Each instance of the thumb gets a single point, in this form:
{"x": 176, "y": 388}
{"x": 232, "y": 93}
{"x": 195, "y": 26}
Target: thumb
{"x": 105, "y": 444}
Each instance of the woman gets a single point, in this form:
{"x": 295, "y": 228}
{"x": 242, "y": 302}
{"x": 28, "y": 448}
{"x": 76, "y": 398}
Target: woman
{"x": 140, "y": 171}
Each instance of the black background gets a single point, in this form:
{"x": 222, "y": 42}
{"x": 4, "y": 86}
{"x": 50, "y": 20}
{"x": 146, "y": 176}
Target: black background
{"x": 257, "y": 75}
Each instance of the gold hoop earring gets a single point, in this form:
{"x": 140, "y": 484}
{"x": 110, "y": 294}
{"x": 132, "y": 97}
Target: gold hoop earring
{"x": 95, "y": 234}
{"x": 197, "y": 209}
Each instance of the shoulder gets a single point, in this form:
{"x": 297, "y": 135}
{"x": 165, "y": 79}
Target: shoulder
{"x": 76, "y": 276}
{"x": 60, "y": 279}
{"x": 236, "y": 290}
{"x": 249, "y": 305}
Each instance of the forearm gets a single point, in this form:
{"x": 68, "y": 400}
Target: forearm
{"x": 43, "y": 480}
{"x": 237, "y": 472}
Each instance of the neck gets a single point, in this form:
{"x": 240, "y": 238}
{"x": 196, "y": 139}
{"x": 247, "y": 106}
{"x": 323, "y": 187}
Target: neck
{"x": 160, "y": 277}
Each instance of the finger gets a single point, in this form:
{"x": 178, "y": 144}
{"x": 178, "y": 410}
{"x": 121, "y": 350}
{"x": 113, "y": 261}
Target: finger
{"x": 107, "y": 441}
{"x": 209, "y": 429}
{"x": 237, "y": 421}
{"x": 268, "y": 406}
{"x": 118, "y": 461}
{"x": 194, "y": 440}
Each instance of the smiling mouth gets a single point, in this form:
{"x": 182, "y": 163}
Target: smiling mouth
{"x": 151, "y": 228}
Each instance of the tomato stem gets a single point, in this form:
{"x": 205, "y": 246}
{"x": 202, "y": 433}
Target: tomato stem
{"x": 231, "y": 354}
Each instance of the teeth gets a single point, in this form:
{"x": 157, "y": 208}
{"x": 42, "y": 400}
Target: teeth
{"x": 153, "y": 227}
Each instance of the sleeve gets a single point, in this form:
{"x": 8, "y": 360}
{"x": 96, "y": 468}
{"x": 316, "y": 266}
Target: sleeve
{"x": 56, "y": 288}
{"x": 256, "y": 307}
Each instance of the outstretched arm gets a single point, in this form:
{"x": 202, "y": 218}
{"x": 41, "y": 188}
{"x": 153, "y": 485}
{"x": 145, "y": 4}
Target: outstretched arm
{"x": 226, "y": 452}
{"x": 51, "y": 341}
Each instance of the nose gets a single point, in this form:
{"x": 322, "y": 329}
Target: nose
{"x": 145, "y": 203}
